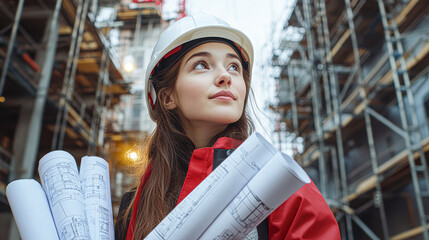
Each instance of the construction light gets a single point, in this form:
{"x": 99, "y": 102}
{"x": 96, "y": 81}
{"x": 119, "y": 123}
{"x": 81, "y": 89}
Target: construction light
{"x": 129, "y": 67}
{"x": 129, "y": 63}
{"x": 132, "y": 155}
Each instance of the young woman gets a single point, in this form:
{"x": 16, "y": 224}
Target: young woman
{"x": 198, "y": 84}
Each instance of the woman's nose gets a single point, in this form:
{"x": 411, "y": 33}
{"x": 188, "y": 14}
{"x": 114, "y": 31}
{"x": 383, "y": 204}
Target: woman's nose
{"x": 224, "y": 78}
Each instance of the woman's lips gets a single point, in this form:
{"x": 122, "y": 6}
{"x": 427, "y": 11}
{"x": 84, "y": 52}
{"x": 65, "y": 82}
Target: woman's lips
{"x": 223, "y": 95}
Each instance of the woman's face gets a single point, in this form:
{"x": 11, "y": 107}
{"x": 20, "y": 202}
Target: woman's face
{"x": 210, "y": 88}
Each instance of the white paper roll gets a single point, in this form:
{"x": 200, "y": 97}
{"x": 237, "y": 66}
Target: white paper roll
{"x": 31, "y": 210}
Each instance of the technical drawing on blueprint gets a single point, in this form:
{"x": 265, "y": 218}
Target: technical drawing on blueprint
{"x": 268, "y": 189}
{"x": 195, "y": 213}
{"x": 239, "y": 194}
{"x": 70, "y": 204}
{"x": 94, "y": 174}
{"x": 61, "y": 182}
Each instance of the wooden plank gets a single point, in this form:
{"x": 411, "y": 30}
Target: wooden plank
{"x": 88, "y": 65}
{"x": 345, "y": 120}
{"x": 132, "y": 14}
{"x": 400, "y": 158}
{"x": 370, "y": 75}
{"x": 65, "y": 30}
{"x": 349, "y": 99}
{"x": 69, "y": 8}
{"x": 83, "y": 81}
{"x": 422, "y": 53}
{"x": 401, "y": 17}
{"x": 386, "y": 78}
{"x": 116, "y": 89}
{"x": 410, "y": 233}
{"x": 78, "y": 120}
{"x": 359, "y": 109}
{"x": 340, "y": 42}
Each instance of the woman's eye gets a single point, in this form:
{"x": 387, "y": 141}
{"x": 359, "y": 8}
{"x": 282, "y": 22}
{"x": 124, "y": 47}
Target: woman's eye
{"x": 234, "y": 67}
{"x": 200, "y": 66}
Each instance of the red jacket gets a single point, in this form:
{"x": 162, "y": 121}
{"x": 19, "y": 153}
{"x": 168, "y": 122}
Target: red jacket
{"x": 305, "y": 215}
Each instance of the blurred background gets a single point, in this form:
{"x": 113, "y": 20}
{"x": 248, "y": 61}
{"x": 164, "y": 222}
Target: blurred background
{"x": 342, "y": 85}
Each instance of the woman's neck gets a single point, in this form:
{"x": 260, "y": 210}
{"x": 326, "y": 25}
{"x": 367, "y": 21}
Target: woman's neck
{"x": 202, "y": 134}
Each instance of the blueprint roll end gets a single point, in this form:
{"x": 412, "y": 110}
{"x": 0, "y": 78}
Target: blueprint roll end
{"x": 296, "y": 169}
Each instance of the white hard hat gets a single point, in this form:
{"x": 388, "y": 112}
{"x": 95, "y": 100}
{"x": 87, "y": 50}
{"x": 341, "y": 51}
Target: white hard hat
{"x": 192, "y": 28}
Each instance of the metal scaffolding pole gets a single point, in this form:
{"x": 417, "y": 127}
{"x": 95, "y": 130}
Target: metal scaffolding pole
{"x": 68, "y": 84}
{"x": 23, "y": 32}
{"x": 335, "y": 173}
{"x": 292, "y": 91}
{"x": 321, "y": 39}
{"x": 70, "y": 88}
{"x": 96, "y": 113}
{"x": 412, "y": 135}
{"x": 11, "y": 45}
{"x": 336, "y": 104}
{"x": 315, "y": 94}
{"x": 378, "y": 198}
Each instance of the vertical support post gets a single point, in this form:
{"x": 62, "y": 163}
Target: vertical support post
{"x": 368, "y": 125}
{"x": 137, "y": 30}
{"x": 71, "y": 81}
{"x": 322, "y": 53}
{"x": 339, "y": 139}
{"x": 62, "y": 101}
{"x": 396, "y": 52}
{"x": 96, "y": 111}
{"x": 11, "y": 45}
{"x": 293, "y": 100}
{"x": 335, "y": 172}
{"x": 315, "y": 95}
{"x": 103, "y": 106}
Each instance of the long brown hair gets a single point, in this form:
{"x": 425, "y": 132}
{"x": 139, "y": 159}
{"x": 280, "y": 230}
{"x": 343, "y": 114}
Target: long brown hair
{"x": 169, "y": 151}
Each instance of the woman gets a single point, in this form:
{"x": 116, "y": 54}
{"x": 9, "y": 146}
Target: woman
{"x": 198, "y": 84}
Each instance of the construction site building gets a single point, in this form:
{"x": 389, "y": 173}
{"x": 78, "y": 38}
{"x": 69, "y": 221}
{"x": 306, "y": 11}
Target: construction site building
{"x": 63, "y": 85}
{"x": 352, "y": 86}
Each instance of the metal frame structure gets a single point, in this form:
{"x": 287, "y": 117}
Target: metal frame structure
{"x": 70, "y": 73}
{"x": 410, "y": 132}
{"x": 77, "y": 85}
{"x": 339, "y": 102}
{"x": 21, "y": 83}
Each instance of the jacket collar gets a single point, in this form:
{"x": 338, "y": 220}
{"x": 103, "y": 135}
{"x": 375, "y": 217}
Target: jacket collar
{"x": 222, "y": 143}
{"x": 200, "y": 167}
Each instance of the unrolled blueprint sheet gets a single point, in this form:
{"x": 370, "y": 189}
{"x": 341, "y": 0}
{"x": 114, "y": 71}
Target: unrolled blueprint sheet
{"x": 277, "y": 181}
{"x": 199, "y": 209}
{"x": 94, "y": 173}
{"x": 30, "y": 208}
{"x": 60, "y": 179}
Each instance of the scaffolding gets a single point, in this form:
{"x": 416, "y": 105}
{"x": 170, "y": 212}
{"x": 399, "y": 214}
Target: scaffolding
{"x": 348, "y": 85}
{"x": 60, "y": 77}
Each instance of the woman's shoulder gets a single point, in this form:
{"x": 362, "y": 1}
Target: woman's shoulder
{"x": 121, "y": 225}
{"x": 126, "y": 198}
{"x": 304, "y": 214}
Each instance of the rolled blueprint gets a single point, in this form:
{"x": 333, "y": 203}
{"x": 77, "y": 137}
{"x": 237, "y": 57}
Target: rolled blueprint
{"x": 198, "y": 210}
{"x": 30, "y": 208}
{"x": 94, "y": 174}
{"x": 274, "y": 184}
{"x": 61, "y": 182}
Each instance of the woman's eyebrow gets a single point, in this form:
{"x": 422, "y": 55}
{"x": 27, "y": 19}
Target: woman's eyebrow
{"x": 199, "y": 54}
{"x": 207, "y": 54}
{"x": 231, "y": 55}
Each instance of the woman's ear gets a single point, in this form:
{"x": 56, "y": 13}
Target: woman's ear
{"x": 168, "y": 99}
